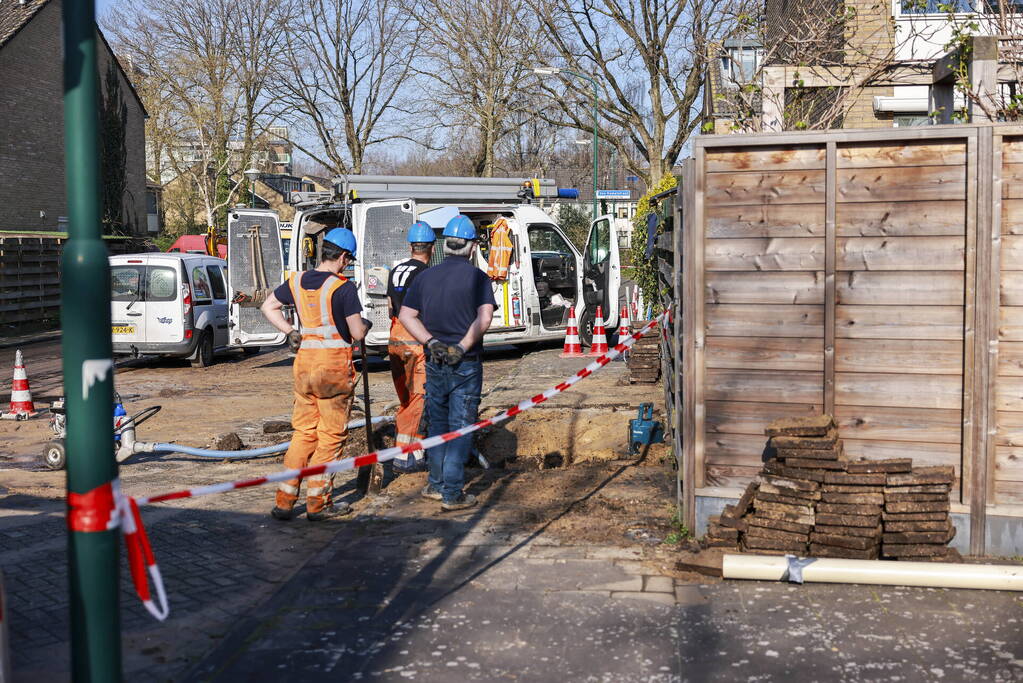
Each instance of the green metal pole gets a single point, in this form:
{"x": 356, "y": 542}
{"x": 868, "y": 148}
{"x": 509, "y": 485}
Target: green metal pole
{"x": 88, "y": 369}
{"x": 594, "y": 84}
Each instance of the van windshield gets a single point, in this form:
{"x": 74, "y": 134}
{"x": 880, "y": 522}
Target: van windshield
{"x": 143, "y": 283}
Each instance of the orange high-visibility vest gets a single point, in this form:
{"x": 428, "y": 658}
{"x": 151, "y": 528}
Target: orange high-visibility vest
{"x": 500, "y": 251}
{"x": 319, "y": 331}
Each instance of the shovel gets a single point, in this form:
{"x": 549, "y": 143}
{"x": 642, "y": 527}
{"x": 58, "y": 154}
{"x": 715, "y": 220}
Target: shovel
{"x": 371, "y": 477}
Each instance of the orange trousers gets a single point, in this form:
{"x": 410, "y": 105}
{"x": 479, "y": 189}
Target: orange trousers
{"x": 408, "y": 370}
{"x": 323, "y": 402}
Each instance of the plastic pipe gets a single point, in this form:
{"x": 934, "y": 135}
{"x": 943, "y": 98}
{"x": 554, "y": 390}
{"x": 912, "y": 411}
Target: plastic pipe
{"x": 141, "y": 447}
{"x": 875, "y": 572}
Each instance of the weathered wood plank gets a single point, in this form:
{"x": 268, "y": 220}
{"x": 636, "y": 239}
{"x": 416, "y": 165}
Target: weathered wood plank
{"x": 1009, "y": 393}
{"x": 1008, "y": 493}
{"x": 1012, "y": 253}
{"x": 796, "y": 287}
{"x": 1010, "y": 359}
{"x": 748, "y": 320}
{"x": 1012, "y": 217}
{"x": 765, "y": 220}
{"x": 901, "y": 253}
{"x": 1011, "y": 289}
{"x": 746, "y": 417}
{"x": 780, "y": 253}
{"x": 781, "y": 187}
{"x": 900, "y": 424}
{"x": 764, "y": 353}
{"x": 736, "y": 449}
{"x": 730, "y": 476}
{"x": 900, "y": 390}
{"x": 765, "y": 159}
{"x": 1010, "y": 324}
{"x": 924, "y": 454}
{"x": 912, "y": 356}
{"x": 1009, "y": 428}
{"x": 908, "y": 219}
{"x": 902, "y": 322}
{"x": 1012, "y": 181}
{"x": 891, "y": 288}
{"x": 1012, "y": 150}
{"x": 872, "y": 155}
{"x": 898, "y": 184}
{"x": 1009, "y": 464}
{"x": 763, "y": 386}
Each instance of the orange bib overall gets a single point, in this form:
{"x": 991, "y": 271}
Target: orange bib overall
{"x": 324, "y": 386}
{"x": 408, "y": 370}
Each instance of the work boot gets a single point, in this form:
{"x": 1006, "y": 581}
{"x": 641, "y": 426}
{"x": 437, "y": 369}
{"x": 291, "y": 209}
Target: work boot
{"x": 431, "y": 493}
{"x": 329, "y": 512}
{"x": 283, "y": 514}
{"x": 464, "y": 502}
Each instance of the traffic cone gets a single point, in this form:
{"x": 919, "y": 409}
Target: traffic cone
{"x": 599, "y": 345}
{"x": 624, "y": 325}
{"x": 573, "y": 347}
{"x": 22, "y": 407}
{"x": 635, "y": 303}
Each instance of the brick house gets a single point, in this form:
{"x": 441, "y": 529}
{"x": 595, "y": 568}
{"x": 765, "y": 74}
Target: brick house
{"x": 857, "y": 63}
{"x": 32, "y": 192}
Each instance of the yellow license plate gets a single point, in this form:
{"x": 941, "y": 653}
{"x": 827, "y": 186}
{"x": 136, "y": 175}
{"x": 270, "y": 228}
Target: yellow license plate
{"x": 123, "y": 329}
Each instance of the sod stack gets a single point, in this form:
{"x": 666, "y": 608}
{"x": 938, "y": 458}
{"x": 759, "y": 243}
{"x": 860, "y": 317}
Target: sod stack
{"x": 645, "y": 358}
{"x": 811, "y": 500}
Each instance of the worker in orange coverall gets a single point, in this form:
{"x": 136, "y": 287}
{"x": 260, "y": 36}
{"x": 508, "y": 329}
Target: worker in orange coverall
{"x": 330, "y": 317}
{"x": 408, "y": 360}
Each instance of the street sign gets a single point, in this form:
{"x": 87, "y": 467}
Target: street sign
{"x": 632, "y": 178}
{"x": 614, "y": 194}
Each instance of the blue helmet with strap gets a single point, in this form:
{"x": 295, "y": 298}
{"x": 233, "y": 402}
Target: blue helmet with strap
{"x": 343, "y": 238}
{"x": 421, "y": 232}
{"x": 460, "y": 226}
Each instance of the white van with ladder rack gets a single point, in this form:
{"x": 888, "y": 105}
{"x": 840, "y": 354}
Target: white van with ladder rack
{"x": 546, "y": 275}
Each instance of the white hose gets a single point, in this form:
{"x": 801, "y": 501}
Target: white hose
{"x": 874, "y": 572}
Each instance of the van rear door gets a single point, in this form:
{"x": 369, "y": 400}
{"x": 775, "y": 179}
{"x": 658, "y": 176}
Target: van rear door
{"x": 382, "y": 245}
{"x": 128, "y": 299}
{"x": 255, "y": 267}
{"x": 602, "y": 272}
{"x": 163, "y": 314}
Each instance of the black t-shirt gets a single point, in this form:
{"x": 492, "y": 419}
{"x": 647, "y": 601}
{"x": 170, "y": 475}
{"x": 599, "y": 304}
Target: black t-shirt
{"x": 447, "y": 297}
{"x": 343, "y": 303}
{"x": 399, "y": 281}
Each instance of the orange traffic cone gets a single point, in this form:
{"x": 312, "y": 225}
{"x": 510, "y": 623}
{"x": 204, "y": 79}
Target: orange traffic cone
{"x": 624, "y": 324}
{"x": 573, "y": 347}
{"x": 635, "y": 302}
{"x": 22, "y": 407}
{"x": 599, "y": 345}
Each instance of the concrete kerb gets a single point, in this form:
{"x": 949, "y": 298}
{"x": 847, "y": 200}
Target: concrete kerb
{"x": 26, "y": 340}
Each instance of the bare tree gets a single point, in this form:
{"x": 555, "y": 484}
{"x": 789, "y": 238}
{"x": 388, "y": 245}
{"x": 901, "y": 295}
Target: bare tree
{"x": 648, "y": 57}
{"x": 205, "y": 65}
{"x": 348, "y": 65}
{"x": 475, "y": 67}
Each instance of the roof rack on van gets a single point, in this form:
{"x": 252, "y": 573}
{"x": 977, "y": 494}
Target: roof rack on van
{"x": 437, "y": 189}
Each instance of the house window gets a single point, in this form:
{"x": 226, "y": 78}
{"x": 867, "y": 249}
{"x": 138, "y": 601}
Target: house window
{"x": 936, "y": 6}
{"x": 279, "y": 132}
{"x": 912, "y": 120}
{"x": 739, "y": 65}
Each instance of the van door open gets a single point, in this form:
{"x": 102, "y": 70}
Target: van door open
{"x": 381, "y": 229}
{"x": 602, "y": 274}
{"x": 255, "y": 268}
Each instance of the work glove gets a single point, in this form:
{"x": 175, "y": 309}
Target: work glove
{"x": 294, "y": 340}
{"x": 437, "y": 349}
{"x": 454, "y": 354}
{"x": 368, "y": 324}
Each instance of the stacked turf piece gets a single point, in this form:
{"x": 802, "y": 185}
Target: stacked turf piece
{"x": 916, "y": 514}
{"x": 645, "y": 358}
{"x": 849, "y": 514}
{"x": 723, "y": 530}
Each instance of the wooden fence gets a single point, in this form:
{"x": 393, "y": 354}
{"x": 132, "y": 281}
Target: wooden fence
{"x": 875, "y": 275}
{"x": 30, "y": 278}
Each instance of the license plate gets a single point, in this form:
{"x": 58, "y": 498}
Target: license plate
{"x": 123, "y": 329}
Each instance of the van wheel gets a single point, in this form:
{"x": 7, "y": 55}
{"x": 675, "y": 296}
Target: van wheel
{"x": 586, "y": 327}
{"x": 250, "y": 350}
{"x": 55, "y": 456}
{"x": 204, "y": 352}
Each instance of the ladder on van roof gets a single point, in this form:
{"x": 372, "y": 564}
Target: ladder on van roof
{"x": 438, "y": 189}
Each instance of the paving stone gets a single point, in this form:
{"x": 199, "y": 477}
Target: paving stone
{"x": 689, "y": 596}
{"x": 662, "y": 598}
{"x": 658, "y": 584}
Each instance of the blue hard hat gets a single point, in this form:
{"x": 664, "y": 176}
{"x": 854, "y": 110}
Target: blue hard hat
{"x": 460, "y": 226}
{"x": 343, "y": 238}
{"x": 421, "y": 232}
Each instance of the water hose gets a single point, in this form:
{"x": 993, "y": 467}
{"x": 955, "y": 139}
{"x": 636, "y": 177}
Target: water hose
{"x": 141, "y": 447}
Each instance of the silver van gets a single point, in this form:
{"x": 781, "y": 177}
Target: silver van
{"x": 169, "y": 304}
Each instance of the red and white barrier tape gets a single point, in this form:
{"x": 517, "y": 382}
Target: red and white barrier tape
{"x": 141, "y": 554}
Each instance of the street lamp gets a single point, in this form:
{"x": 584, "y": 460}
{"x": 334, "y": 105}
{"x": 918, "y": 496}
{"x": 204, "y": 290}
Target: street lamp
{"x": 252, "y": 174}
{"x": 555, "y": 71}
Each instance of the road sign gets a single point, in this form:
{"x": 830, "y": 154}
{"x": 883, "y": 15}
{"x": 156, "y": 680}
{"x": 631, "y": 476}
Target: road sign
{"x": 614, "y": 194}
{"x": 632, "y": 178}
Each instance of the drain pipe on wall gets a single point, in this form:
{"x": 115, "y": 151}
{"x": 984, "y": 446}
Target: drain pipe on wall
{"x": 875, "y": 572}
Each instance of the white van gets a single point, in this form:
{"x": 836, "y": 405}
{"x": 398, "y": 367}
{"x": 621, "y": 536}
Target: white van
{"x": 169, "y": 304}
{"x": 547, "y": 274}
